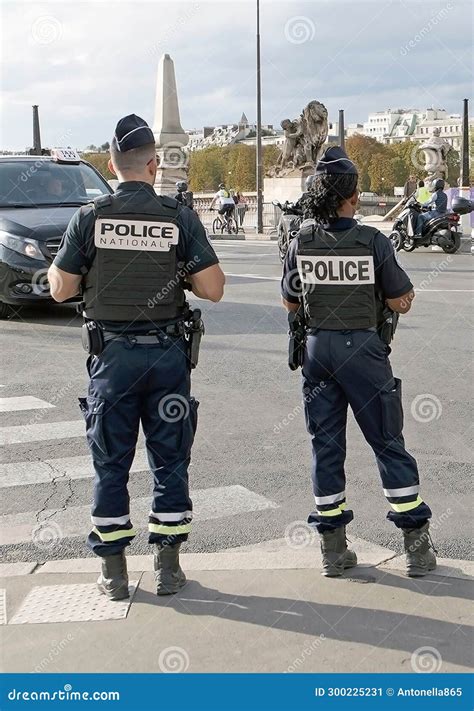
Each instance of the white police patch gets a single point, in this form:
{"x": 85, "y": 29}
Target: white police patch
{"x": 136, "y": 235}
{"x": 336, "y": 270}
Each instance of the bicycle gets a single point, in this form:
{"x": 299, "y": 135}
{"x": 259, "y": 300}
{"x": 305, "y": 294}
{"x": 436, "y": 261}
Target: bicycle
{"x": 226, "y": 223}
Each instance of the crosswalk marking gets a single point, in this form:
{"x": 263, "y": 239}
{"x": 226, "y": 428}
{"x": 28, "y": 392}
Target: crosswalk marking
{"x": 23, "y": 402}
{"x": 19, "y": 434}
{"x": 44, "y": 472}
{"x": 55, "y": 524}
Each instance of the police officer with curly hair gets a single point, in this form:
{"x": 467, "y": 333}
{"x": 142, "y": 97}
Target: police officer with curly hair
{"x": 343, "y": 278}
{"x": 132, "y": 255}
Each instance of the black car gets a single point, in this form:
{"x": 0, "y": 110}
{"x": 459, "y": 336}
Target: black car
{"x": 38, "y": 196}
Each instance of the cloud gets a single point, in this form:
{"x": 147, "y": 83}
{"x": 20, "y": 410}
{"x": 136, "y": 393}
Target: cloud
{"x": 88, "y": 63}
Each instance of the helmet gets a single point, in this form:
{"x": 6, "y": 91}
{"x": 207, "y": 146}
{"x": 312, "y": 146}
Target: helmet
{"x": 439, "y": 184}
{"x": 221, "y": 186}
{"x": 181, "y": 186}
{"x": 309, "y": 182}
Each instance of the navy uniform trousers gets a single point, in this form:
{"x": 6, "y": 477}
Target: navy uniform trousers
{"x": 344, "y": 368}
{"x": 132, "y": 383}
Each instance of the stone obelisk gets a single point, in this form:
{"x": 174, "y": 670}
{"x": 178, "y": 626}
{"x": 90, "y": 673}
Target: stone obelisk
{"x": 170, "y": 138}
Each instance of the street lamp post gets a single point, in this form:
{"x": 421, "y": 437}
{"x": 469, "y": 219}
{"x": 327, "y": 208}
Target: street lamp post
{"x": 464, "y": 189}
{"x": 259, "y": 171}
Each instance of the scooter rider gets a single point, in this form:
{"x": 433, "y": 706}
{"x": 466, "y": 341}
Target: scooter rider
{"x": 437, "y": 205}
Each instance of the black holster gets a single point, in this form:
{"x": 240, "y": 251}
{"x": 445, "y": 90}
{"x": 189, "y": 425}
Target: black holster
{"x": 386, "y": 329}
{"x": 92, "y": 336}
{"x": 297, "y": 334}
{"x": 194, "y": 330}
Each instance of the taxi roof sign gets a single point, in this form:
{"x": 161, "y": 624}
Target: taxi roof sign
{"x": 65, "y": 155}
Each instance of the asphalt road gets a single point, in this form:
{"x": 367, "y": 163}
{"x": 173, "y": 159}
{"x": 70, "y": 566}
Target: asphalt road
{"x": 251, "y": 458}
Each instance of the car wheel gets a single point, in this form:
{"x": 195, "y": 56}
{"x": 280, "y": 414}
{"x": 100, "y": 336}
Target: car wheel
{"x": 5, "y": 310}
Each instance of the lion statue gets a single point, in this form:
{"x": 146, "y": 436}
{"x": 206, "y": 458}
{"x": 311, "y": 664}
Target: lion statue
{"x": 304, "y": 138}
{"x": 314, "y": 126}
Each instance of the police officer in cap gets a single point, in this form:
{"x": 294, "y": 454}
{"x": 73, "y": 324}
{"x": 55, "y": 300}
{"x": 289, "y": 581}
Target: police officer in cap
{"x": 344, "y": 278}
{"x": 131, "y": 254}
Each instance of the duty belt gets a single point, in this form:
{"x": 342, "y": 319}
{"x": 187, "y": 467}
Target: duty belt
{"x": 149, "y": 338}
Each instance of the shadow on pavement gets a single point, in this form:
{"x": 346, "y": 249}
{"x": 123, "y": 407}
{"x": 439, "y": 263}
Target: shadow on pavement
{"x": 403, "y": 631}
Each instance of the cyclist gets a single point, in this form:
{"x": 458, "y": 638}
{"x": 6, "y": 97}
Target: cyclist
{"x": 226, "y": 202}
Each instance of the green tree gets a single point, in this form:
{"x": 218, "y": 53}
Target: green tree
{"x": 454, "y": 167}
{"x": 384, "y": 172}
{"x": 206, "y": 169}
{"x": 361, "y": 150}
{"x": 99, "y": 161}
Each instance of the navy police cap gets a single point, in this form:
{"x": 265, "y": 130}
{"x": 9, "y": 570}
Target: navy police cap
{"x": 335, "y": 160}
{"x": 132, "y": 132}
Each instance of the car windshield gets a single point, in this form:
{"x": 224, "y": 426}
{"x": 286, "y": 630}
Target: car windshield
{"x": 35, "y": 183}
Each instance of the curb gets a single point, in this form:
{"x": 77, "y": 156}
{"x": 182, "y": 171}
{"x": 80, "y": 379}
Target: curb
{"x": 269, "y": 555}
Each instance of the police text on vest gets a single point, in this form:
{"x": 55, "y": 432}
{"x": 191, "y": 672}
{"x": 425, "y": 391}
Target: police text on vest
{"x": 135, "y": 235}
{"x": 336, "y": 270}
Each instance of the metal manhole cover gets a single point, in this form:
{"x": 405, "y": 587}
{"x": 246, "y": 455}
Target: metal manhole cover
{"x": 70, "y": 603}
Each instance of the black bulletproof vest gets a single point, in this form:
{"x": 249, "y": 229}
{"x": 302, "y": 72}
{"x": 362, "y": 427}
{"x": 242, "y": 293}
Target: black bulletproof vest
{"x": 133, "y": 276}
{"x": 338, "y": 278}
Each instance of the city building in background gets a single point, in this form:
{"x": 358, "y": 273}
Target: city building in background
{"x": 394, "y": 126}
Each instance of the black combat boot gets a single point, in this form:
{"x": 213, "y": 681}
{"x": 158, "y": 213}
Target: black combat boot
{"x": 419, "y": 550}
{"x": 113, "y": 580}
{"x": 169, "y": 577}
{"x": 336, "y": 555}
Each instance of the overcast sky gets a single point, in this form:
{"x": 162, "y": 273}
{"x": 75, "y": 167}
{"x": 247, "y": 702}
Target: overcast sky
{"x": 88, "y": 63}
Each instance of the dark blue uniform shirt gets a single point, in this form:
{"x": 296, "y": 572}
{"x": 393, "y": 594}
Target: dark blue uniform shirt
{"x": 390, "y": 278}
{"x": 77, "y": 249}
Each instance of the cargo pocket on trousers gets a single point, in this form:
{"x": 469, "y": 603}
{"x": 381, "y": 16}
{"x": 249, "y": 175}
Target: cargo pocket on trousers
{"x": 93, "y": 409}
{"x": 189, "y": 427}
{"x": 392, "y": 411}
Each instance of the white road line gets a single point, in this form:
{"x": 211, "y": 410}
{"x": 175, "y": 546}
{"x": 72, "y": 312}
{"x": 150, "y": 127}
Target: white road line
{"x": 24, "y": 402}
{"x": 18, "y": 434}
{"x": 43, "y": 472}
{"x": 212, "y": 503}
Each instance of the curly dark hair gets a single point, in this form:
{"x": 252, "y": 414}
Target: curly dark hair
{"x": 327, "y": 194}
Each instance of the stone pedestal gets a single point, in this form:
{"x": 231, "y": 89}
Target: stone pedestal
{"x": 170, "y": 137}
{"x": 286, "y": 187}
